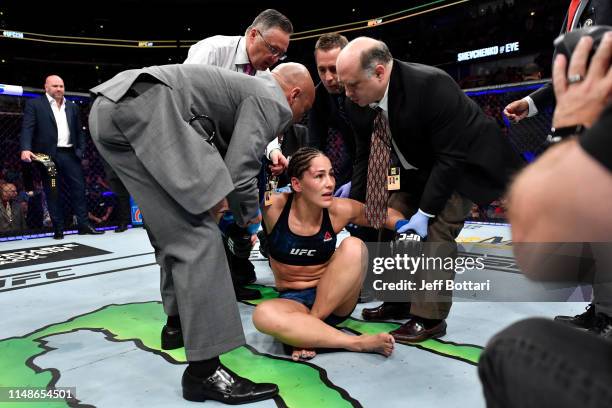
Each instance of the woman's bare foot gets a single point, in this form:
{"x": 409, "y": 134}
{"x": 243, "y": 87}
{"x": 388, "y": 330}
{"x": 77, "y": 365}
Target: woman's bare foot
{"x": 302, "y": 354}
{"x": 381, "y": 343}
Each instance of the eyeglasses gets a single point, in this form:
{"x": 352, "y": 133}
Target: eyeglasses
{"x": 273, "y": 50}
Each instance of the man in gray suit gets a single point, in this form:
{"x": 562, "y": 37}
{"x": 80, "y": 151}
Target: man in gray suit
{"x": 183, "y": 138}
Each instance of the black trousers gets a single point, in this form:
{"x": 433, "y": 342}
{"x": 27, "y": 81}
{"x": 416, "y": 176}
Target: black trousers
{"x": 69, "y": 173}
{"x": 123, "y": 196}
{"x": 540, "y": 363}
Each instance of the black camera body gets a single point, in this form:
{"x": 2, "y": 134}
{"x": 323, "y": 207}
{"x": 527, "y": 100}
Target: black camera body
{"x": 566, "y": 43}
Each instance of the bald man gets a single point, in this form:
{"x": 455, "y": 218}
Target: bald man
{"x": 52, "y": 125}
{"x": 449, "y": 152}
{"x": 185, "y": 140}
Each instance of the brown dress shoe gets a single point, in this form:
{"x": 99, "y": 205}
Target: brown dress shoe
{"x": 414, "y": 331}
{"x": 388, "y": 310}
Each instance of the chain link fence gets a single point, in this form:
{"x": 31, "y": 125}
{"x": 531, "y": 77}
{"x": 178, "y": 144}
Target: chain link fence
{"x": 528, "y": 138}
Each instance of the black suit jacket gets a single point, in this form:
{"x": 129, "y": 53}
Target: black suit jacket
{"x": 39, "y": 130}
{"x": 592, "y": 12}
{"x": 325, "y": 114}
{"x": 441, "y": 132}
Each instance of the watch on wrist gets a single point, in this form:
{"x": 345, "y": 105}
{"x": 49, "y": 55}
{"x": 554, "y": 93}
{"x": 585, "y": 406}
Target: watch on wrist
{"x": 558, "y": 134}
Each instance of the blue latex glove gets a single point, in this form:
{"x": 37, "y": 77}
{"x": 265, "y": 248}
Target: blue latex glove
{"x": 417, "y": 223}
{"x": 286, "y": 189}
{"x": 253, "y": 228}
{"x": 226, "y": 220}
{"x": 343, "y": 191}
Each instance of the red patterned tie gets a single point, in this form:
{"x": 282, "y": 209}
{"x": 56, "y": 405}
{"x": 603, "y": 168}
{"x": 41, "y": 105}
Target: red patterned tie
{"x": 378, "y": 164}
{"x": 249, "y": 69}
{"x": 571, "y": 14}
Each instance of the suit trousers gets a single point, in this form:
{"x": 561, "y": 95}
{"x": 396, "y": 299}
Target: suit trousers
{"x": 444, "y": 228}
{"x": 188, "y": 246}
{"x": 123, "y": 196}
{"x": 69, "y": 174}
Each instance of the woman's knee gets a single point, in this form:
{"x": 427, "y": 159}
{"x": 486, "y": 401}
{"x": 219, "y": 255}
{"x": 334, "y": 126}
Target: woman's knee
{"x": 265, "y": 316}
{"x": 353, "y": 248}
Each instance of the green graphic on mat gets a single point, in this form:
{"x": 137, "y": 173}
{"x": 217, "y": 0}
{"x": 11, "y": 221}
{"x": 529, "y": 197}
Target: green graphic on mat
{"x": 301, "y": 385}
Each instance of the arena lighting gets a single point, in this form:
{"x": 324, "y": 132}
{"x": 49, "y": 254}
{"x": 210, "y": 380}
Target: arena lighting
{"x": 488, "y": 51}
{"x": 12, "y": 34}
{"x": 11, "y": 90}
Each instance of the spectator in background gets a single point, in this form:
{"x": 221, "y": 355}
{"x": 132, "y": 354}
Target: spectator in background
{"x": 52, "y": 125}
{"x": 100, "y": 207}
{"x": 11, "y": 215}
{"x": 532, "y": 72}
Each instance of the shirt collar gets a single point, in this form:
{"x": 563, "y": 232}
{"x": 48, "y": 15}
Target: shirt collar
{"x": 51, "y": 100}
{"x": 384, "y": 102}
{"x": 242, "y": 58}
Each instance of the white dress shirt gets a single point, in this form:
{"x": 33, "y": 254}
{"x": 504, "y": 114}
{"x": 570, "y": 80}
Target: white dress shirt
{"x": 222, "y": 51}
{"x": 59, "y": 113}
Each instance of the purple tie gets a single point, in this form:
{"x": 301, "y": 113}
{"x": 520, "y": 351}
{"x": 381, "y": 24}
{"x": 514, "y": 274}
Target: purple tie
{"x": 249, "y": 69}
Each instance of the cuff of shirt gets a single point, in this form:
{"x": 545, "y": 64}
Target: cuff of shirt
{"x": 273, "y": 145}
{"x": 532, "y": 107}
{"x": 426, "y": 214}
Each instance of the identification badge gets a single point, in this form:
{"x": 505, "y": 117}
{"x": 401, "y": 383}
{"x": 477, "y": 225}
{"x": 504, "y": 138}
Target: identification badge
{"x": 271, "y": 187}
{"x": 268, "y": 198}
{"x": 393, "y": 179}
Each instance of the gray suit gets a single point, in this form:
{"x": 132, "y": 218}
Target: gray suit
{"x": 141, "y": 125}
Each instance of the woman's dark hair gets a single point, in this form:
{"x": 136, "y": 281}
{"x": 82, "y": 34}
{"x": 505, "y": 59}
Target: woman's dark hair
{"x": 300, "y": 161}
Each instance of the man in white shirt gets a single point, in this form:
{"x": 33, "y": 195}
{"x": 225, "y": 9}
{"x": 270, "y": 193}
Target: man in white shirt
{"x": 52, "y": 125}
{"x": 264, "y": 43}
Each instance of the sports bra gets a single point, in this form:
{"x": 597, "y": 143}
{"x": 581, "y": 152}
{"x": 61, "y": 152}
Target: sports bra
{"x": 291, "y": 249}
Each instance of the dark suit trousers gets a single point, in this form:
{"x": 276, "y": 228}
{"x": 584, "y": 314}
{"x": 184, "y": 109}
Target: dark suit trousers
{"x": 444, "y": 228}
{"x": 123, "y": 197}
{"x": 70, "y": 174}
{"x": 539, "y": 363}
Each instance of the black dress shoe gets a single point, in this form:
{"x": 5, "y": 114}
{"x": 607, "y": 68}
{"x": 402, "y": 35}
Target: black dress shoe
{"x": 226, "y": 387}
{"x": 171, "y": 338}
{"x": 388, "y": 310}
{"x": 243, "y": 293}
{"x": 121, "y": 228}
{"x": 88, "y": 229}
{"x": 602, "y": 326}
{"x": 584, "y": 320}
{"x": 59, "y": 234}
{"x": 415, "y": 331}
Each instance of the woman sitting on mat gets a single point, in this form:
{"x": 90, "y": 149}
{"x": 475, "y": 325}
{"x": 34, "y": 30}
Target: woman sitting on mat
{"x": 319, "y": 284}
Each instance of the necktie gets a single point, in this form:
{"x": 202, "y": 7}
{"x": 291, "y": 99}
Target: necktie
{"x": 336, "y": 148}
{"x": 249, "y": 69}
{"x": 378, "y": 163}
{"x": 571, "y": 14}
{"x": 341, "y": 111}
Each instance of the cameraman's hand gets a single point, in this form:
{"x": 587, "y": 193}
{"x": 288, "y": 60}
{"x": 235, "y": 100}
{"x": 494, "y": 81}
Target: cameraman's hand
{"x": 582, "y": 102}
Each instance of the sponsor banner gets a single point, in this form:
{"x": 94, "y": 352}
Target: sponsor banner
{"x": 46, "y": 254}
